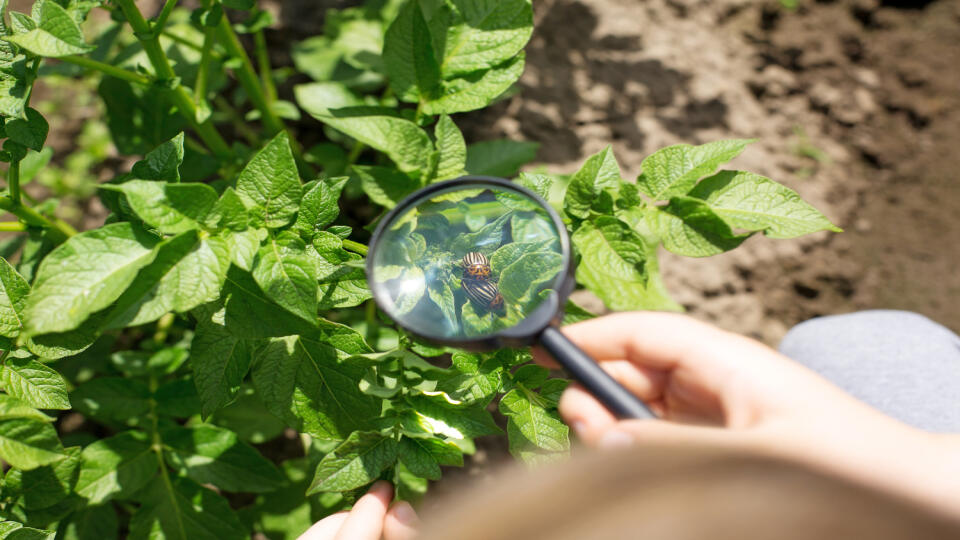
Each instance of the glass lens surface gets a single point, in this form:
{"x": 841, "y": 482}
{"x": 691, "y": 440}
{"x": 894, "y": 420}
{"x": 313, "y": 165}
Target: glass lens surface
{"x": 466, "y": 262}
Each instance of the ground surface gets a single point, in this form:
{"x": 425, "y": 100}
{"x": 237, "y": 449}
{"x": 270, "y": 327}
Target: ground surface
{"x": 856, "y": 105}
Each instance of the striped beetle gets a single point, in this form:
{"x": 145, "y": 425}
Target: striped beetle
{"x": 475, "y": 266}
{"x": 485, "y": 294}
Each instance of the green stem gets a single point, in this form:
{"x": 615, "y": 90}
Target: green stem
{"x": 358, "y": 148}
{"x": 164, "y": 15}
{"x": 263, "y": 64}
{"x": 248, "y": 77}
{"x": 163, "y": 328}
{"x": 106, "y": 69}
{"x": 60, "y": 229}
{"x": 161, "y": 65}
{"x": 370, "y": 315}
{"x": 12, "y": 226}
{"x": 185, "y": 42}
{"x": 355, "y": 247}
{"x": 200, "y": 88}
{"x": 13, "y": 181}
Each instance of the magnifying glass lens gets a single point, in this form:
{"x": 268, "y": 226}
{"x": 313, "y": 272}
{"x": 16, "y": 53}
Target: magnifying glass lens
{"x": 467, "y": 262}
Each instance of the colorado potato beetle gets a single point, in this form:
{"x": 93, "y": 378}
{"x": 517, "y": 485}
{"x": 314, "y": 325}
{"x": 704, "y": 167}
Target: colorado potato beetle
{"x": 475, "y": 266}
{"x": 485, "y": 294}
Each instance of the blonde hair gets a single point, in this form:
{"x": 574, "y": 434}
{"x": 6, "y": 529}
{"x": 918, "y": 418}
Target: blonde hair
{"x": 679, "y": 493}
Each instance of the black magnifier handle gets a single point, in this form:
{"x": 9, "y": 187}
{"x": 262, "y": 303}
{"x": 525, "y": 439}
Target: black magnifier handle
{"x": 598, "y": 382}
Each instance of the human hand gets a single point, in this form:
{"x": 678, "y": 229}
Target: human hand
{"x": 369, "y": 519}
{"x": 713, "y": 387}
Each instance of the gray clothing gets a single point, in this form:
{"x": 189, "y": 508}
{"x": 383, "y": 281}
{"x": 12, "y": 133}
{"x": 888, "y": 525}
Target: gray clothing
{"x": 898, "y": 362}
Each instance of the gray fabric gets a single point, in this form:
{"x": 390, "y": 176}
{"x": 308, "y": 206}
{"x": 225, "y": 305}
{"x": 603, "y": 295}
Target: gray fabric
{"x": 901, "y": 363}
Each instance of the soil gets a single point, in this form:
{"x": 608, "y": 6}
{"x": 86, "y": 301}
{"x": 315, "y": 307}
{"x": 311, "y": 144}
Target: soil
{"x": 855, "y": 104}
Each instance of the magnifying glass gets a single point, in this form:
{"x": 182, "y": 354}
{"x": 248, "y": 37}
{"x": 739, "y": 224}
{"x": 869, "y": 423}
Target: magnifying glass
{"x": 482, "y": 263}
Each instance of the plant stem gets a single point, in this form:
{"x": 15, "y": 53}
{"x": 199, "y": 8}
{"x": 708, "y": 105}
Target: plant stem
{"x": 12, "y": 226}
{"x": 248, "y": 77}
{"x": 355, "y": 247}
{"x": 61, "y": 230}
{"x": 106, "y": 69}
{"x": 161, "y": 65}
{"x": 163, "y": 328}
{"x": 200, "y": 88}
{"x": 13, "y": 181}
{"x": 164, "y": 15}
{"x": 263, "y": 63}
{"x": 355, "y": 151}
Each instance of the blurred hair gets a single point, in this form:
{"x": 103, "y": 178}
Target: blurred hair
{"x": 679, "y": 493}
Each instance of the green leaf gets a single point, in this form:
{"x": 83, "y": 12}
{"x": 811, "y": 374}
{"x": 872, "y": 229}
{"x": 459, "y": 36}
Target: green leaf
{"x": 161, "y": 163}
{"x": 116, "y": 467}
{"x": 177, "y": 398}
{"x": 45, "y": 486}
{"x": 573, "y": 313}
{"x": 112, "y": 398}
{"x": 188, "y": 270}
{"x": 212, "y": 455}
{"x": 11, "y": 407}
{"x": 499, "y": 157}
{"x": 674, "y": 170}
{"x": 378, "y": 127}
{"x": 287, "y": 274}
{"x": 591, "y": 188}
{"x": 170, "y": 208}
{"x": 522, "y": 281}
{"x": 689, "y": 227}
{"x": 34, "y": 383}
{"x": 537, "y": 426}
{"x": 251, "y": 314}
{"x": 319, "y": 206}
{"x": 452, "y": 148}
{"x": 304, "y": 382}
{"x": 86, "y": 274}
{"x": 13, "y": 299}
{"x": 416, "y": 455}
{"x": 220, "y": 361}
{"x": 456, "y": 56}
{"x": 30, "y": 131}
{"x": 271, "y": 183}
{"x": 755, "y": 203}
{"x": 475, "y": 90}
{"x": 477, "y": 379}
{"x": 93, "y": 523}
{"x": 137, "y": 363}
{"x": 57, "y": 34}
{"x": 344, "y": 288}
{"x": 613, "y": 264}
{"x": 16, "y": 79}
{"x": 385, "y": 186}
{"x": 537, "y": 183}
{"x": 28, "y": 443}
{"x": 229, "y": 213}
{"x": 358, "y": 461}
{"x": 412, "y": 64}
{"x": 249, "y": 419}
{"x": 433, "y": 414}
{"x": 178, "y": 509}
{"x": 243, "y": 246}
{"x": 11, "y": 530}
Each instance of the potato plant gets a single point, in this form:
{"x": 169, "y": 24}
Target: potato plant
{"x": 208, "y": 362}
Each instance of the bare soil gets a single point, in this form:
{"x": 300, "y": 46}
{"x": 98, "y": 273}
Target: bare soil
{"x": 855, "y": 104}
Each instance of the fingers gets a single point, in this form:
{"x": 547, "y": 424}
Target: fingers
{"x": 326, "y": 528}
{"x": 365, "y": 521}
{"x": 584, "y": 414}
{"x": 401, "y": 522}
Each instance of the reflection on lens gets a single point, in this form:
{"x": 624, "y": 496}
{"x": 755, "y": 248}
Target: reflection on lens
{"x": 467, "y": 262}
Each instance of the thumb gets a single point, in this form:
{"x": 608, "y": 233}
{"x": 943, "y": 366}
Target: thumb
{"x": 661, "y": 432}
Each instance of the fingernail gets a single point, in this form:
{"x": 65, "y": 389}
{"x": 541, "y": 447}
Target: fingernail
{"x": 405, "y": 513}
{"x": 579, "y": 428}
{"x": 380, "y": 485}
{"x": 615, "y": 439}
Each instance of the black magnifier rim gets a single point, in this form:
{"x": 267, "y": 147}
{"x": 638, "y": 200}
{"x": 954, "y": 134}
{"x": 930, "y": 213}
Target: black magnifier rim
{"x": 523, "y": 333}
